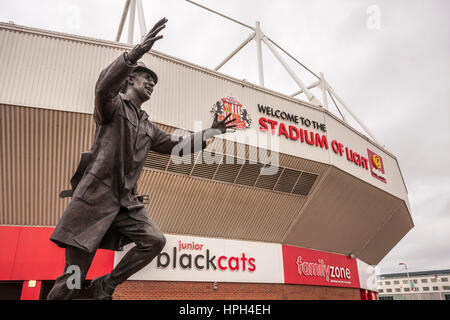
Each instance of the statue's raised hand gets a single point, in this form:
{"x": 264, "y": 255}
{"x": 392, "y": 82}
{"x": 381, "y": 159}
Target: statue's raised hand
{"x": 147, "y": 43}
{"x": 152, "y": 36}
{"x": 224, "y": 124}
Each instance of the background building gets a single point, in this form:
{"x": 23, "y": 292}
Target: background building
{"x": 420, "y": 285}
{"x": 333, "y": 207}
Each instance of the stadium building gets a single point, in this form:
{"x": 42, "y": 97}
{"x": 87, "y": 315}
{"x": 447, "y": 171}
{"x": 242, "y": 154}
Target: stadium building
{"x": 295, "y": 204}
{"x": 418, "y": 285}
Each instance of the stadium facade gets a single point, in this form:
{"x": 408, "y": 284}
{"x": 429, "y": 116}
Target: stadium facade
{"x": 295, "y": 204}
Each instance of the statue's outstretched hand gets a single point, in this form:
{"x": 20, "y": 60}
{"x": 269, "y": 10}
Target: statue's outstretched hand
{"x": 219, "y": 126}
{"x": 152, "y": 36}
{"x": 224, "y": 124}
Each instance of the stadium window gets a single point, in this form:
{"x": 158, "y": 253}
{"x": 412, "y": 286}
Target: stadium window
{"x": 444, "y": 279}
{"x": 426, "y": 289}
{"x": 424, "y": 280}
{"x": 435, "y": 288}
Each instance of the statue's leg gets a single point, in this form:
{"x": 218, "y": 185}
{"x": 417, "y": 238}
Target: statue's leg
{"x": 149, "y": 239}
{"x": 67, "y": 285}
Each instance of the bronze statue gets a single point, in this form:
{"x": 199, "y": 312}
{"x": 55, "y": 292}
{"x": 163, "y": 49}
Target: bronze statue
{"x": 105, "y": 211}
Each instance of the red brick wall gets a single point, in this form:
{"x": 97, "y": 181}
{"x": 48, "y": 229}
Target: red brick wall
{"x": 172, "y": 290}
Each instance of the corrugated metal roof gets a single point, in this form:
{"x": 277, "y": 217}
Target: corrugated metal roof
{"x": 60, "y": 72}
{"x": 39, "y": 151}
{"x": 184, "y": 205}
{"x": 72, "y": 64}
{"x": 226, "y": 168}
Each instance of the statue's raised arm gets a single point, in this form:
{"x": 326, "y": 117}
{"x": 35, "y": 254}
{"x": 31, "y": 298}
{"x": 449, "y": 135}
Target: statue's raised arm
{"x": 112, "y": 77}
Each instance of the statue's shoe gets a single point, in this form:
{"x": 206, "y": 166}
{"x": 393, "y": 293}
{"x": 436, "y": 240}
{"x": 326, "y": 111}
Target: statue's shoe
{"x": 102, "y": 289}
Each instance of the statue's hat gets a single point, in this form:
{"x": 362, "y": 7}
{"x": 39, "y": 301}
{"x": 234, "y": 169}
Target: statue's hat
{"x": 142, "y": 67}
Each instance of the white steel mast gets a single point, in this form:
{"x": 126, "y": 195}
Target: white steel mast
{"x": 259, "y": 37}
{"x": 326, "y": 88}
{"x": 130, "y": 8}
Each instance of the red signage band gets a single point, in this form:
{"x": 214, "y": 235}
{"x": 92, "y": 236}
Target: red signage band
{"x": 28, "y": 254}
{"x": 315, "y": 139}
{"x": 312, "y": 267}
{"x": 31, "y": 255}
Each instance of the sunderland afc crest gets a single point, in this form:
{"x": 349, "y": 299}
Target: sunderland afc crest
{"x": 376, "y": 166}
{"x": 228, "y": 105}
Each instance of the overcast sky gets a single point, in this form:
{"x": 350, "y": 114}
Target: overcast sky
{"x": 389, "y": 60}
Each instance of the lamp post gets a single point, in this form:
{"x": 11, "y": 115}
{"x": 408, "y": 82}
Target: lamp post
{"x": 409, "y": 281}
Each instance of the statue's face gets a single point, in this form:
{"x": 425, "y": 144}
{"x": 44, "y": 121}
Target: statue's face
{"x": 142, "y": 83}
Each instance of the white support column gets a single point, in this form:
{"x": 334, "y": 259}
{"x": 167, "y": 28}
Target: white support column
{"x": 131, "y": 17}
{"x": 122, "y": 19}
{"x": 302, "y": 86}
{"x": 259, "y": 36}
{"x": 243, "y": 44}
{"x": 323, "y": 86}
{"x": 292, "y": 57}
{"x": 337, "y": 107}
{"x": 315, "y": 84}
{"x": 220, "y": 14}
{"x": 141, "y": 17}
